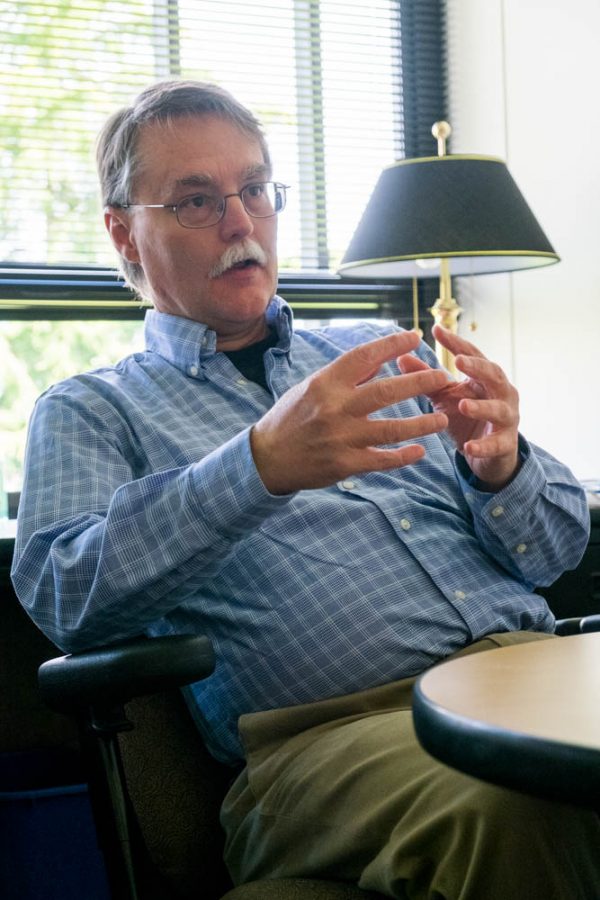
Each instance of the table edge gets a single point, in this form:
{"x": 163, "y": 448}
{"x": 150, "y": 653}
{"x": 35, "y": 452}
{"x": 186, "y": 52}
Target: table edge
{"x": 538, "y": 766}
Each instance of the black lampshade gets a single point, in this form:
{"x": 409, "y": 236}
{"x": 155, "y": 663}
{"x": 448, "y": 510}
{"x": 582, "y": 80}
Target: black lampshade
{"x": 465, "y": 208}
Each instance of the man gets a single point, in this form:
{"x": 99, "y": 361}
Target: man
{"x": 328, "y": 507}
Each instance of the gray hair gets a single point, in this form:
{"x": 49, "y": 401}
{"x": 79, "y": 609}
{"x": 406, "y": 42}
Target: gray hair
{"x": 165, "y": 101}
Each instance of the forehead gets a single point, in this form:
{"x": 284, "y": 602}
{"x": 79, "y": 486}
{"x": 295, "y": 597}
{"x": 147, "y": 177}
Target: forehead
{"x": 205, "y": 148}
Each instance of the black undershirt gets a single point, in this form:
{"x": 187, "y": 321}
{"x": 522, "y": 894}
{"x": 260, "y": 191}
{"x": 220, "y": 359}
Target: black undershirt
{"x": 250, "y": 360}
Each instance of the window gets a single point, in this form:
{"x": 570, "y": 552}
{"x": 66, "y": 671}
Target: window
{"x": 342, "y": 89}
{"x": 327, "y": 79}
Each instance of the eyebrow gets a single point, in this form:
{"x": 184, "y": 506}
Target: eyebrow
{"x": 260, "y": 170}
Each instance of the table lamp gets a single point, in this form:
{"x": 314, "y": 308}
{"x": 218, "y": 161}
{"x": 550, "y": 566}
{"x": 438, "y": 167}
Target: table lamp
{"x": 442, "y": 216}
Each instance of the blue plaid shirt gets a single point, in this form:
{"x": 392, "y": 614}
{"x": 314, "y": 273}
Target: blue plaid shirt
{"x": 142, "y": 511}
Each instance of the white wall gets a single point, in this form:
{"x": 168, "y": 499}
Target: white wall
{"x": 524, "y": 85}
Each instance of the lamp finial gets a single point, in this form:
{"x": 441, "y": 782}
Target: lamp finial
{"x": 441, "y": 132}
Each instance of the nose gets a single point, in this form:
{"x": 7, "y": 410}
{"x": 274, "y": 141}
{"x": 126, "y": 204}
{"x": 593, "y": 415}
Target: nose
{"x": 236, "y": 222}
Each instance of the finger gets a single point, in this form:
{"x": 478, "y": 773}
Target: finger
{"x": 386, "y": 391}
{"x": 454, "y": 343}
{"x": 450, "y": 391}
{"x": 376, "y": 459}
{"x": 411, "y": 363}
{"x": 380, "y": 432}
{"x": 360, "y": 364}
{"x": 496, "y": 411}
{"x": 493, "y": 446}
{"x": 488, "y": 373}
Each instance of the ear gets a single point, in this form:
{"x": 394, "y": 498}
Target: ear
{"x": 118, "y": 225}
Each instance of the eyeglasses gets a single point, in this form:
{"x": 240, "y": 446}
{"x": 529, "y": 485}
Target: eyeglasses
{"x": 260, "y": 200}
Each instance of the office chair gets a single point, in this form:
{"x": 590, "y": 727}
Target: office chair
{"x": 154, "y": 788}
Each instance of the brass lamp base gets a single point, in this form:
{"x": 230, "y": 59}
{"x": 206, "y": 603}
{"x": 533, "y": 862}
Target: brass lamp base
{"x": 446, "y": 311}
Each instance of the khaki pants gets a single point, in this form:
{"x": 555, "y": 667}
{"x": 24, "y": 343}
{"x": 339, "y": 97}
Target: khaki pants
{"x": 341, "y": 789}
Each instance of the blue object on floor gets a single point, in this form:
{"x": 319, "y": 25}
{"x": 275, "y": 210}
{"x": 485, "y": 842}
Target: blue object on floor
{"x": 48, "y": 846}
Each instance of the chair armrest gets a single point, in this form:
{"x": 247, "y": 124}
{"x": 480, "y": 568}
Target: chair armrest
{"x": 115, "y": 674}
{"x": 564, "y": 627}
{"x": 577, "y": 625}
{"x": 590, "y": 623}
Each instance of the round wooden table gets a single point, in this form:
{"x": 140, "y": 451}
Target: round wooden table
{"x": 526, "y": 716}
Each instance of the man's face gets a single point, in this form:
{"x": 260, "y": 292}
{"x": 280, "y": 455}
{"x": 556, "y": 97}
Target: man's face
{"x": 193, "y": 155}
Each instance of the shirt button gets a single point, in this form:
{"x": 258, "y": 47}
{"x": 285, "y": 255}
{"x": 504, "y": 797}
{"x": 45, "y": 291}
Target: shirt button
{"x": 521, "y": 548}
{"x": 404, "y": 524}
{"x": 497, "y": 511}
{"x": 347, "y": 485}
{"x": 241, "y": 381}
{"x": 193, "y": 370}
{"x": 459, "y": 595}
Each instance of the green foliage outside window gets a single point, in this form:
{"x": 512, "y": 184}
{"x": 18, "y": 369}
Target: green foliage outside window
{"x": 34, "y": 355}
{"x": 53, "y": 99}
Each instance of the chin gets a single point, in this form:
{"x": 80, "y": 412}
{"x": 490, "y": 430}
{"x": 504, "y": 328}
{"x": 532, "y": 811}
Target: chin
{"x": 249, "y": 295}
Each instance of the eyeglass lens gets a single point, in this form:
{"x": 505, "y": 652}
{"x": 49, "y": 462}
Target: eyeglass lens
{"x": 260, "y": 200}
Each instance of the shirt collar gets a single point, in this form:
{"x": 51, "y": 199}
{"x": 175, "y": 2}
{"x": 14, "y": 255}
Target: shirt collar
{"x": 188, "y": 344}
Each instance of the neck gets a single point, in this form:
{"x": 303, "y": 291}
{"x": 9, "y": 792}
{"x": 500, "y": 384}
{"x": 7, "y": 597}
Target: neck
{"x": 243, "y": 338}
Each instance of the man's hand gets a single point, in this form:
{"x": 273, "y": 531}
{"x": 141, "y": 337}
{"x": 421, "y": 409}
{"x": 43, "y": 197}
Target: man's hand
{"x": 320, "y": 430}
{"x": 482, "y": 411}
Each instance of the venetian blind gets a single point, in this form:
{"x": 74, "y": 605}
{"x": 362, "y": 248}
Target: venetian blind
{"x": 325, "y": 79}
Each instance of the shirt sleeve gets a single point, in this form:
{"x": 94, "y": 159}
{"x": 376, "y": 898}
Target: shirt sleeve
{"x": 100, "y": 553}
{"x": 538, "y": 525}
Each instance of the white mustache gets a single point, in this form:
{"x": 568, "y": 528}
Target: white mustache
{"x": 246, "y": 249}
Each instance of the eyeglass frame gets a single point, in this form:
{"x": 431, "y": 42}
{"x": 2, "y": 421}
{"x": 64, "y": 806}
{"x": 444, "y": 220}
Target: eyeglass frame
{"x": 174, "y": 207}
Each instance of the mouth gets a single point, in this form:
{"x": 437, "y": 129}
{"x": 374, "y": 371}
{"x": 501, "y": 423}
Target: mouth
{"x": 248, "y": 267}
{"x": 245, "y": 264}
